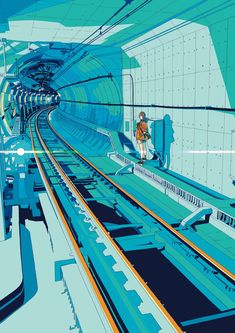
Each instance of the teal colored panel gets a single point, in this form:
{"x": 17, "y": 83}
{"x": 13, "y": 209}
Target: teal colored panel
{"x": 127, "y": 126}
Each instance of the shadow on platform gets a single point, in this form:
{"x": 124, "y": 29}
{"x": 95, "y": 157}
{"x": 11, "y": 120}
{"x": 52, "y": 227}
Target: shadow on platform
{"x": 28, "y": 265}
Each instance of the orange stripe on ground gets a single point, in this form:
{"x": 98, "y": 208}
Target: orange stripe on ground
{"x": 76, "y": 248}
{"x": 154, "y": 215}
{"x": 127, "y": 262}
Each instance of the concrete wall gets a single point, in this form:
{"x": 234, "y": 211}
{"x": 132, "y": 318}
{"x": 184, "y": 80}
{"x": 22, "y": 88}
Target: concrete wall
{"x": 181, "y": 68}
{"x": 104, "y": 90}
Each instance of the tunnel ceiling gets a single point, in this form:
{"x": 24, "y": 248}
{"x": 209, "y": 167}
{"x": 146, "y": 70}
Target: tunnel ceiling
{"x": 40, "y": 36}
{"x": 41, "y": 72}
{"x": 30, "y": 24}
{"x": 72, "y": 20}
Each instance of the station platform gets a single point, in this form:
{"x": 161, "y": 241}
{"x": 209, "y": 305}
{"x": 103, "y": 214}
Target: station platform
{"x": 218, "y": 245}
{"x": 11, "y": 276}
{"x": 91, "y": 148}
{"x": 45, "y": 307}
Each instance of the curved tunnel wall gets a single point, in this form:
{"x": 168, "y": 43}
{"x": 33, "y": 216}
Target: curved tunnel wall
{"x": 100, "y": 90}
{"x": 178, "y": 68}
{"x": 17, "y": 94}
{"x": 24, "y": 98}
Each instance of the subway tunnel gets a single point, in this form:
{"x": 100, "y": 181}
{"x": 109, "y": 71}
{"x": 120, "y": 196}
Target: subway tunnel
{"x": 117, "y": 166}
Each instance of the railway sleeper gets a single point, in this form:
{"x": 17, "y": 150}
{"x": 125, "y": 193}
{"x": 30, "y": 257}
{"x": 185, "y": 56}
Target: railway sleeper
{"x": 140, "y": 242}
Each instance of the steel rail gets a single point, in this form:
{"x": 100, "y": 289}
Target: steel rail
{"x": 208, "y": 258}
{"x": 150, "y": 293}
{"x": 96, "y": 290}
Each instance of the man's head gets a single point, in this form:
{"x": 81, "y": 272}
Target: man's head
{"x": 142, "y": 115}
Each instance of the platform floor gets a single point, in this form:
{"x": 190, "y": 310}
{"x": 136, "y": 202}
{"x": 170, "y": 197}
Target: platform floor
{"x": 218, "y": 245}
{"x": 45, "y": 308}
{"x": 11, "y": 276}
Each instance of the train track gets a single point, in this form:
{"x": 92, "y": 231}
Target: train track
{"x": 110, "y": 320}
{"x": 88, "y": 179}
{"x": 136, "y": 320}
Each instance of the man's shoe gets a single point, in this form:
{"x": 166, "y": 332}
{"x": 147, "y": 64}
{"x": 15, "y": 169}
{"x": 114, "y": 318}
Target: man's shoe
{"x": 155, "y": 157}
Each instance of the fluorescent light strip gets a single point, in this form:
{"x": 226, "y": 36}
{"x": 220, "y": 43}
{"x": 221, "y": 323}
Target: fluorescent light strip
{"x": 209, "y": 151}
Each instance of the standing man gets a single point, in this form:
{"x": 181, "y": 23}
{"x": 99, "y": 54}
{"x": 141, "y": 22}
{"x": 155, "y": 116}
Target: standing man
{"x": 142, "y": 136}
